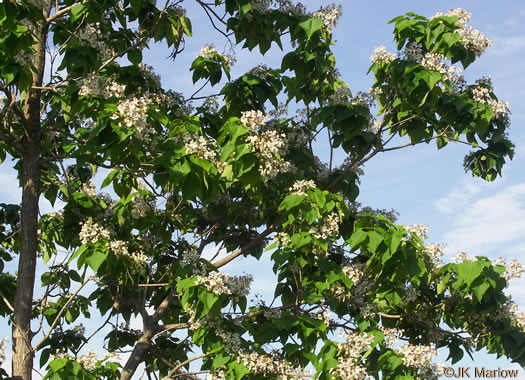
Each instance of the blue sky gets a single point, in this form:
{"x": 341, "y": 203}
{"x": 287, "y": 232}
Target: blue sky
{"x": 424, "y": 185}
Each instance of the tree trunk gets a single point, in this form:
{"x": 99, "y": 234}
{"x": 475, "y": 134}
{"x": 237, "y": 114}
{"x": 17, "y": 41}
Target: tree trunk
{"x": 22, "y": 349}
{"x": 23, "y": 354}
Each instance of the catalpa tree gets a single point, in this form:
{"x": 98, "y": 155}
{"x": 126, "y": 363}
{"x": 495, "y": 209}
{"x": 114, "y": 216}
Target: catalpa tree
{"x": 239, "y": 176}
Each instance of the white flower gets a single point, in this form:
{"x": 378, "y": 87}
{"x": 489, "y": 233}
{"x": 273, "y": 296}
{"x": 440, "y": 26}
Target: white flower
{"x": 329, "y": 15}
{"x": 91, "y": 232}
{"x": 299, "y": 187}
{"x": 418, "y": 356}
{"x": 209, "y": 51}
{"x": 380, "y": 55}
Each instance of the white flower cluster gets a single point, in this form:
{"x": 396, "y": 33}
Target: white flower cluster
{"x": 418, "y": 356}
{"x": 392, "y": 335}
{"x": 91, "y": 35}
{"x": 329, "y": 15}
{"x": 435, "y": 251}
{"x": 219, "y": 283}
{"x": 472, "y": 39}
{"x": 198, "y": 145}
{"x": 482, "y": 95}
{"x": 282, "y": 239}
{"x": 463, "y": 257}
{"x": 253, "y": 120}
{"x": 513, "y": 269}
{"x": 419, "y": 230}
{"x": 329, "y": 227}
{"x": 218, "y": 375}
{"x": 381, "y": 56}
{"x": 435, "y": 62}
{"x": 355, "y": 343}
{"x": 91, "y": 232}
{"x": 120, "y": 247}
{"x": 462, "y": 15}
{"x": 354, "y": 272}
{"x": 270, "y": 146}
{"x": 510, "y": 311}
{"x": 209, "y": 51}
{"x": 267, "y": 365}
{"x": 132, "y": 111}
{"x": 299, "y": 187}
{"x": 88, "y": 361}
{"x": 324, "y": 316}
{"x": 88, "y": 189}
{"x": 2, "y": 350}
{"x": 284, "y": 6}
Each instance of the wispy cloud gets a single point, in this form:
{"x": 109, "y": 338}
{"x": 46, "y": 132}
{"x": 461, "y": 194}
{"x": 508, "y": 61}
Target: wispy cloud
{"x": 486, "y": 225}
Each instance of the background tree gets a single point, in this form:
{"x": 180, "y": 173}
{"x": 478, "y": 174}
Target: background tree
{"x": 237, "y": 175}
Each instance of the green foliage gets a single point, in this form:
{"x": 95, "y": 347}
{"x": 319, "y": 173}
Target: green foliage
{"x": 232, "y": 179}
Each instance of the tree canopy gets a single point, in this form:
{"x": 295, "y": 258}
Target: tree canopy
{"x": 234, "y": 173}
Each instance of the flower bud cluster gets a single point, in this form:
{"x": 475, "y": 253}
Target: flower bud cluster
{"x": 340, "y": 98}
{"x": 366, "y": 99}
{"x": 381, "y": 56}
{"x": 219, "y": 283}
{"x": 260, "y": 71}
{"x": 413, "y": 51}
{"x": 211, "y": 103}
{"x": 91, "y": 35}
{"x": 299, "y": 187}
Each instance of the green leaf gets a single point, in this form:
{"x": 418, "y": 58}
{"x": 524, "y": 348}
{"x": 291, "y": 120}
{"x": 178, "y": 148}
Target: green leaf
{"x": 312, "y": 25}
{"x": 186, "y": 24}
{"x": 358, "y": 236}
{"x": 135, "y": 56}
{"x": 291, "y": 201}
{"x": 96, "y": 259}
{"x": 469, "y": 271}
{"x": 58, "y": 364}
{"x": 78, "y": 11}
